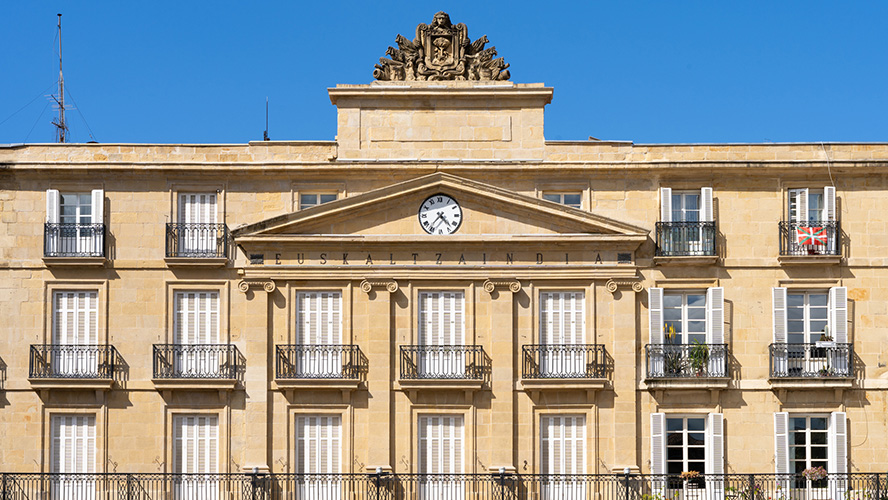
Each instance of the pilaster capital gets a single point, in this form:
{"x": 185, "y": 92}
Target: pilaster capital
{"x": 513, "y": 285}
{"x": 268, "y": 285}
{"x": 390, "y": 285}
{"x": 612, "y": 284}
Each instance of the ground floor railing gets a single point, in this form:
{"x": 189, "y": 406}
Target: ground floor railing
{"x": 494, "y": 486}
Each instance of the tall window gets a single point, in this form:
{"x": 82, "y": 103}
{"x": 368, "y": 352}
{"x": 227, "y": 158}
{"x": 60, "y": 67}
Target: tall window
{"x": 571, "y": 199}
{"x": 806, "y": 316}
{"x": 562, "y": 325}
{"x": 804, "y": 441}
{"x": 75, "y": 326}
{"x": 808, "y": 443}
{"x": 686, "y": 333}
{"x": 196, "y": 451}
{"x": 73, "y": 448}
{"x": 682, "y": 443}
{"x": 809, "y": 204}
{"x": 318, "y": 444}
{"x": 74, "y": 221}
{"x": 440, "y": 451}
{"x": 686, "y": 222}
{"x": 802, "y": 318}
{"x": 198, "y": 217}
{"x": 563, "y": 444}
{"x": 311, "y": 199}
{"x": 685, "y": 206}
{"x": 684, "y": 317}
{"x": 75, "y": 208}
{"x": 196, "y": 324}
{"x": 441, "y": 334}
{"x": 318, "y": 333}
{"x": 685, "y": 444}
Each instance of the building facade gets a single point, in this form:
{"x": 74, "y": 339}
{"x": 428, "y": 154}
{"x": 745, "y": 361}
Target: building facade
{"x": 442, "y": 291}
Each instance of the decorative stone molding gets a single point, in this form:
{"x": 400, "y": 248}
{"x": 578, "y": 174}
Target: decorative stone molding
{"x": 513, "y": 285}
{"x": 613, "y": 284}
{"x": 245, "y": 284}
{"x": 441, "y": 51}
{"x": 390, "y": 285}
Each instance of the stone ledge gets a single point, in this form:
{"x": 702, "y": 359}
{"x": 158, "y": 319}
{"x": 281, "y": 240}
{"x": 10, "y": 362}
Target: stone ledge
{"x": 310, "y": 384}
{"x": 196, "y": 261}
{"x": 91, "y": 384}
{"x": 797, "y": 383}
{"x": 75, "y": 261}
{"x": 192, "y": 384}
{"x": 689, "y": 260}
{"x": 710, "y": 383}
{"x": 563, "y": 384}
{"x": 817, "y": 260}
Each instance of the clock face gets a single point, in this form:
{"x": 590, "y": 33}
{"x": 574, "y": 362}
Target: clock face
{"x": 440, "y": 214}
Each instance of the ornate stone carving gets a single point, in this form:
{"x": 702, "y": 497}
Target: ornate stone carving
{"x": 267, "y": 285}
{"x": 441, "y": 51}
{"x": 491, "y": 284}
{"x": 390, "y": 285}
{"x": 612, "y": 285}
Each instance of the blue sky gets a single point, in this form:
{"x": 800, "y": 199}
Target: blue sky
{"x": 199, "y": 72}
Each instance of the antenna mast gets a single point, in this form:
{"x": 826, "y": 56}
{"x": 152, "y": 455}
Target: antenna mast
{"x": 61, "y": 126}
{"x": 265, "y": 134}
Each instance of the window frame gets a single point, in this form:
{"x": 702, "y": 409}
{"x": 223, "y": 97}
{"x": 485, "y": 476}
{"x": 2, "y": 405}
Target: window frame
{"x": 297, "y": 189}
{"x": 685, "y": 446}
{"x": 221, "y": 287}
{"x": 561, "y": 195}
{"x": 684, "y": 293}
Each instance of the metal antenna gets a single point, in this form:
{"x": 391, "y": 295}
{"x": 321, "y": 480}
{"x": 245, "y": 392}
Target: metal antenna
{"x": 265, "y": 134}
{"x": 61, "y": 126}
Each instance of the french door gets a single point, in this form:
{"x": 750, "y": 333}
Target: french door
{"x": 195, "y": 457}
{"x": 562, "y": 332}
{"x": 73, "y": 457}
{"x": 563, "y": 457}
{"x": 196, "y": 326}
{"x": 318, "y": 456}
{"x": 75, "y": 334}
{"x": 441, "y": 335}
{"x": 441, "y": 457}
{"x": 319, "y": 333}
{"x": 197, "y": 215}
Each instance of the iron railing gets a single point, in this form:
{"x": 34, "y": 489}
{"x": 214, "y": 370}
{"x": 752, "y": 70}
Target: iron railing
{"x": 818, "y": 360}
{"x": 73, "y": 361}
{"x": 443, "y": 362}
{"x": 813, "y": 237}
{"x": 492, "y": 486}
{"x": 319, "y": 361}
{"x": 73, "y": 240}
{"x": 197, "y": 361}
{"x": 563, "y": 361}
{"x": 682, "y": 239}
{"x": 197, "y": 240}
{"x": 686, "y": 360}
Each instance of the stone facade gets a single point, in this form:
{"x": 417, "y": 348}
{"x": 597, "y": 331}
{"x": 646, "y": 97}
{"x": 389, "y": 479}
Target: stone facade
{"x": 483, "y": 145}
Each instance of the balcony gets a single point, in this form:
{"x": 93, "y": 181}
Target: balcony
{"x": 573, "y": 366}
{"x": 197, "y": 244}
{"x": 817, "y": 365}
{"x": 74, "y": 244}
{"x": 685, "y": 243}
{"x": 691, "y": 366}
{"x": 308, "y": 367}
{"x": 810, "y": 242}
{"x": 489, "y": 486}
{"x": 465, "y": 367}
{"x": 197, "y": 366}
{"x": 91, "y": 367}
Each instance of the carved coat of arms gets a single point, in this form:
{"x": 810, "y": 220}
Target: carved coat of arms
{"x": 441, "y": 51}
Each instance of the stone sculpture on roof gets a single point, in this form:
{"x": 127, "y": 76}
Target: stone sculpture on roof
{"x": 441, "y": 51}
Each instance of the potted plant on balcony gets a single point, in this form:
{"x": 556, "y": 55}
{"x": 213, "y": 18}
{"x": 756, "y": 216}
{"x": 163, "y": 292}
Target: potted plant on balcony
{"x": 673, "y": 363}
{"x": 826, "y": 339}
{"x": 698, "y": 357}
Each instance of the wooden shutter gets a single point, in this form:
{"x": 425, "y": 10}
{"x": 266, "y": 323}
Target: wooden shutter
{"x": 197, "y": 318}
{"x": 98, "y": 206}
{"x": 799, "y": 212}
{"x": 562, "y": 318}
{"x": 441, "y": 318}
{"x": 715, "y": 315}
{"x": 665, "y": 204}
{"x": 715, "y": 443}
{"x": 838, "y": 314}
{"x": 658, "y": 443}
{"x": 655, "y": 310}
{"x": 73, "y": 444}
{"x": 563, "y": 445}
{"x": 197, "y": 208}
{"x": 318, "y": 444}
{"x": 75, "y": 319}
{"x": 52, "y": 206}
{"x": 441, "y": 444}
{"x": 838, "y": 443}
{"x": 829, "y": 203}
{"x": 706, "y": 210}
{"x": 781, "y": 443}
{"x": 196, "y": 442}
{"x": 778, "y": 302}
{"x": 319, "y": 318}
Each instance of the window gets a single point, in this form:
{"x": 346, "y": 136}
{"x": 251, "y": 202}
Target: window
{"x": 812, "y": 205}
{"x": 307, "y": 200}
{"x": 195, "y": 451}
{"x": 685, "y": 444}
{"x": 440, "y": 451}
{"x": 74, "y": 224}
{"x": 198, "y": 230}
{"x": 686, "y": 331}
{"x": 806, "y": 316}
{"x": 686, "y": 226}
{"x": 73, "y": 449}
{"x": 571, "y": 199}
{"x": 318, "y": 333}
{"x": 682, "y": 443}
{"x": 562, "y": 325}
{"x": 686, "y": 206}
{"x": 318, "y": 451}
{"x": 803, "y": 318}
{"x": 812, "y": 228}
{"x": 196, "y": 326}
{"x": 804, "y": 441}
{"x": 74, "y": 331}
{"x": 563, "y": 453}
{"x": 441, "y": 334}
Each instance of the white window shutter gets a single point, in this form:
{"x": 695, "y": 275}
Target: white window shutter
{"x": 838, "y": 443}
{"x": 715, "y": 314}
{"x": 706, "y": 210}
{"x": 778, "y": 301}
{"x": 658, "y": 443}
{"x": 52, "y": 206}
{"x": 781, "y": 443}
{"x": 715, "y": 455}
{"x": 655, "y": 310}
{"x": 838, "y": 314}
{"x": 665, "y": 204}
{"x": 98, "y": 206}
{"x": 803, "y": 205}
{"x": 829, "y": 203}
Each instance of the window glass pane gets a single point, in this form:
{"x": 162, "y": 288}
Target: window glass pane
{"x": 795, "y": 326}
{"x": 798, "y": 424}
{"x": 795, "y": 338}
{"x": 697, "y": 313}
{"x": 795, "y": 313}
{"x": 674, "y": 424}
{"x": 696, "y": 300}
{"x": 695, "y": 438}
{"x": 795, "y": 300}
{"x": 818, "y": 299}
{"x": 818, "y": 453}
{"x": 818, "y": 438}
{"x": 815, "y": 205}
{"x": 818, "y": 423}
{"x": 696, "y": 326}
{"x": 552, "y": 197}
{"x": 696, "y": 424}
{"x": 671, "y": 300}
{"x": 696, "y": 338}
{"x": 696, "y": 453}
{"x": 308, "y": 200}
{"x": 572, "y": 200}
{"x": 326, "y": 198}
{"x": 798, "y": 453}
{"x": 674, "y": 453}
{"x": 672, "y": 314}
{"x": 692, "y": 201}
{"x": 819, "y": 312}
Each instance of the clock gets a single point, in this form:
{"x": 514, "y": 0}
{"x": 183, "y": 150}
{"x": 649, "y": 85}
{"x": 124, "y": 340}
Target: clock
{"x": 440, "y": 214}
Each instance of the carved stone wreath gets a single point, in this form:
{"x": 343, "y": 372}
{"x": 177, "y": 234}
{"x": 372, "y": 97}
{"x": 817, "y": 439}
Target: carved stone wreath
{"x": 441, "y": 51}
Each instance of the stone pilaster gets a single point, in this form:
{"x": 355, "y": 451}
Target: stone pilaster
{"x": 626, "y": 429}
{"x": 504, "y": 351}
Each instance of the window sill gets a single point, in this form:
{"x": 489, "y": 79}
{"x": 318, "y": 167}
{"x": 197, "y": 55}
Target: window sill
{"x": 166, "y": 384}
{"x": 196, "y": 261}
{"x": 686, "y": 260}
{"x": 74, "y": 261}
{"x": 91, "y": 384}
{"x": 817, "y": 260}
{"x": 563, "y": 384}
{"x": 712, "y": 383}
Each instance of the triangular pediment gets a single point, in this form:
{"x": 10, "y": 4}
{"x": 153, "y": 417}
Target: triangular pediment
{"x": 490, "y": 212}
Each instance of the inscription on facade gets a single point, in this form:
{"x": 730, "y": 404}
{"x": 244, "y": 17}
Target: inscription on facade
{"x": 409, "y": 258}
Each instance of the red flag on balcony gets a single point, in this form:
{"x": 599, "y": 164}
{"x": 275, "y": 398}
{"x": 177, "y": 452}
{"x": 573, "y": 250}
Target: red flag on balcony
{"x": 812, "y": 235}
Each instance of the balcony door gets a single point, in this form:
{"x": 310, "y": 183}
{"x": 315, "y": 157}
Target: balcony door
{"x": 686, "y": 333}
{"x": 75, "y": 352}
{"x": 73, "y": 450}
{"x": 319, "y": 334}
{"x": 563, "y": 457}
{"x": 197, "y": 219}
{"x": 812, "y": 216}
{"x": 562, "y": 334}
{"x": 687, "y": 443}
{"x": 441, "y": 335}
{"x": 803, "y": 318}
{"x": 318, "y": 457}
{"x": 197, "y": 334}
{"x": 195, "y": 457}
{"x": 687, "y": 210}
{"x": 441, "y": 457}
{"x": 75, "y": 218}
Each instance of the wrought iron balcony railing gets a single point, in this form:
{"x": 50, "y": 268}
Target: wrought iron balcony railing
{"x": 197, "y": 240}
{"x": 811, "y": 237}
{"x": 686, "y": 360}
{"x": 197, "y": 361}
{"x": 443, "y": 362}
{"x": 493, "y": 486}
{"x": 73, "y": 240}
{"x": 818, "y": 360}
{"x": 563, "y": 361}
{"x": 684, "y": 239}
{"x": 319, "y": 361}
{"x": 73, "y": 361}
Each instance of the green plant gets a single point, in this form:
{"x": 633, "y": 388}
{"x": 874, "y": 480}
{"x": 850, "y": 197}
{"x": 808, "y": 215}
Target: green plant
{"x": 698, "y": 356}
